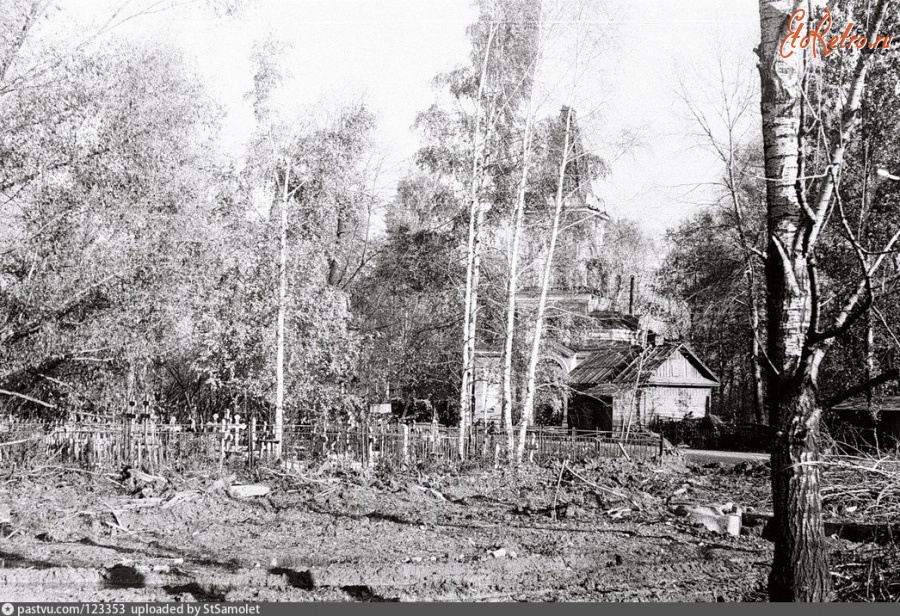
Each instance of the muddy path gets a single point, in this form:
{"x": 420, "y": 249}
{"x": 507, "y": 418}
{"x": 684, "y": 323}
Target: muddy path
{"x": 481, "y": 536}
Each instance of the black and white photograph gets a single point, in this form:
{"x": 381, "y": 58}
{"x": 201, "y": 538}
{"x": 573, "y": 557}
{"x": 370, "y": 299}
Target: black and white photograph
{"x": 457, "y": 301}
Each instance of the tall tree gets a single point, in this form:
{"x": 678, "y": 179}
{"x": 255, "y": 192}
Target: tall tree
{"x": 518, "y": 222}
{"x": 482, "y": 130}
{"x": 534, "y": 356}
{"x": 102, "y": 195}
{"x": 473, "y": 251}
{"x": 800, "y": 197}
{"x": 730, "y": 130}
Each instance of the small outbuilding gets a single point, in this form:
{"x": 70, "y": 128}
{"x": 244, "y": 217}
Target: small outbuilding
{"x": 620, "y": 383}
{"x": 614, "y": 372}
{"x": 883, "y": 417}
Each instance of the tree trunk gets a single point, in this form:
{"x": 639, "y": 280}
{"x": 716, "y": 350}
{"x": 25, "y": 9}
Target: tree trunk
{"x": 756, "y": 359}
{"x": 518, "y": 223}
{"x": 800, "y": 568}
{"x": 528, "y": 406}
{"x": 473, "y": 261}
{"x": 796, "y": 343}
{"x": 473, "y": 312}
{"x": 282, "y": 306}
{"x": 465, "y": 388}
{"x": 509, "y": 334}
{"x": 334, "y": 265}
{"x": 870, "y": 367}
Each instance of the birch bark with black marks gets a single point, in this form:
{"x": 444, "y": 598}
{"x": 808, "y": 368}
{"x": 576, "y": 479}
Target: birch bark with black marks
{"x": 796, "y": 346}
{"x": 518, "y": 224}
{"x": 473, "y": 261}
{"x": 282, "y": 307}
{"x": 528, "y": 405}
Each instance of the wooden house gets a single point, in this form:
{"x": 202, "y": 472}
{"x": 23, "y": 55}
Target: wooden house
{"x": 617, "y": 370}
{"x": 617, "y": 373}
{"x": 620, "y": 383}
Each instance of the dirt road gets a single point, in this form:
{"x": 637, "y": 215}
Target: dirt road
{"x": 478, "y": 537}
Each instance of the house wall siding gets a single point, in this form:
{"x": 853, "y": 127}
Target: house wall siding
{"x": 673, "y": 403}
{"x": 678, "y": 387}
{"x": 622, "y": 397}
{"x": 678, "y": 370}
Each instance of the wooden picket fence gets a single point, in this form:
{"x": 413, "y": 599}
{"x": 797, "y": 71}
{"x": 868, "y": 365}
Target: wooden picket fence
{"x": 150, "y": 444}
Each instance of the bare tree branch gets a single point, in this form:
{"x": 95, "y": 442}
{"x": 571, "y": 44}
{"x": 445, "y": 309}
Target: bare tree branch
{"x": 859, "y": 388}
{"x": 25, "y": 397}
{"x": 849, "y": 121}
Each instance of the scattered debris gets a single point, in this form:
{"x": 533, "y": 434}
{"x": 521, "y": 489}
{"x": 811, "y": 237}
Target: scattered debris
{"x": 181, "y": 497}
{"x": 221, "y": 483}
{"x": 139, "y": 476}
{"x": 716, "y": 518}
{"x": 248, "y": 491}
{"x": 751, "y": 469}
{"x": 616, "y": 509}
{"x": 437, "y": 494}
{"x": 618, "y": 514}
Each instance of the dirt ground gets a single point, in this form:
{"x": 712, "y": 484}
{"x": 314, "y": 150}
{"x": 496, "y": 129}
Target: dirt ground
{"x": 606, "y": 534}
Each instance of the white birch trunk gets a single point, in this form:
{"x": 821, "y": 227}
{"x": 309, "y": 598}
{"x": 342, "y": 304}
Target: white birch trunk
{"x": 473, "y": 263}
{"x": 797, "y": 344}
{"x": 282, "y": 296}
{"x": 518, "y": 223}
{"x": 528, "y": 406}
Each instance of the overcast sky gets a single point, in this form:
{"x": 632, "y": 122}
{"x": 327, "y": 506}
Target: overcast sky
{"x": 386, "y": 52}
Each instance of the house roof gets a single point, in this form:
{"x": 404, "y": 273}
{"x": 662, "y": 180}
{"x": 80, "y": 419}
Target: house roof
{"x": 608, "y": 360}
{"x": 881, "y": 403}
{"x": 622, "y": 363}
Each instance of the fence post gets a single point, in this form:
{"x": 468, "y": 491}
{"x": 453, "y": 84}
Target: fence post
{"x": 222, "y": 436}
{"x": 128, "y": 447}
{"x": 251, "y": 441}
{"x": 405, "y": 444}
{"x": 368, "y": 447}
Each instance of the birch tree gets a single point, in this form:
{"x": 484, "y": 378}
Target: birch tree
{"x": 527, "y": 417}
{"x": 534, "y": 356}
{"x": 518, "y": 220}
{"x": 271, "y": 137}
{"x": 800, "y": 204}
{"x": 473, "y": 251}
{"x": 314, "y": 177}
{"x": 469, "y": 146}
